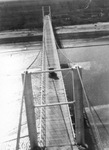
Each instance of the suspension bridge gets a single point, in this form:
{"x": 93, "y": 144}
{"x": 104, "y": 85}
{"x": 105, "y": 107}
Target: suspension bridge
{"x": 47, "y": 115}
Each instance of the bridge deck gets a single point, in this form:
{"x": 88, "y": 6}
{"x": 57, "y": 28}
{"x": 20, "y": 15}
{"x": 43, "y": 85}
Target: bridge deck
{"x": 59, "y": 130}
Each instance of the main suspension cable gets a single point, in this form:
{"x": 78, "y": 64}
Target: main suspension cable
{"x": 68, "y": 60}
{"x": 33, "y": 61}
{"x": 99, "y": 118}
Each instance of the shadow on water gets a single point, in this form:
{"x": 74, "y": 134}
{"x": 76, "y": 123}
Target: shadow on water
{"x": 58, "y": 42}
{"x": 89, "y": 136}
{"x": 20, "y": 39}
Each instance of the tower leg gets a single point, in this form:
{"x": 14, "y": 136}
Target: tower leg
{"x": 78, "y": 107}
{"x": 31, "y": 121}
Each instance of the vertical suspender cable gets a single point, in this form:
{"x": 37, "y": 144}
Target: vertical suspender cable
{"x": 100, "y": 145}
{"x": 73, "y": 88}
{"x": 20, "y": 118}
{"x": 73, "y": 85}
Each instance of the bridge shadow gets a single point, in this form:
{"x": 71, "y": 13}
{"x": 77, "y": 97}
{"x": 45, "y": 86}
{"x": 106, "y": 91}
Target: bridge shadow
{"x": 58, "y": 43}
{"x": 89, "y": 136}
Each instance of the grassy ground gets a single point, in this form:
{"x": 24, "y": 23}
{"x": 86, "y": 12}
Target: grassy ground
{"x": 28, "y": 14}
